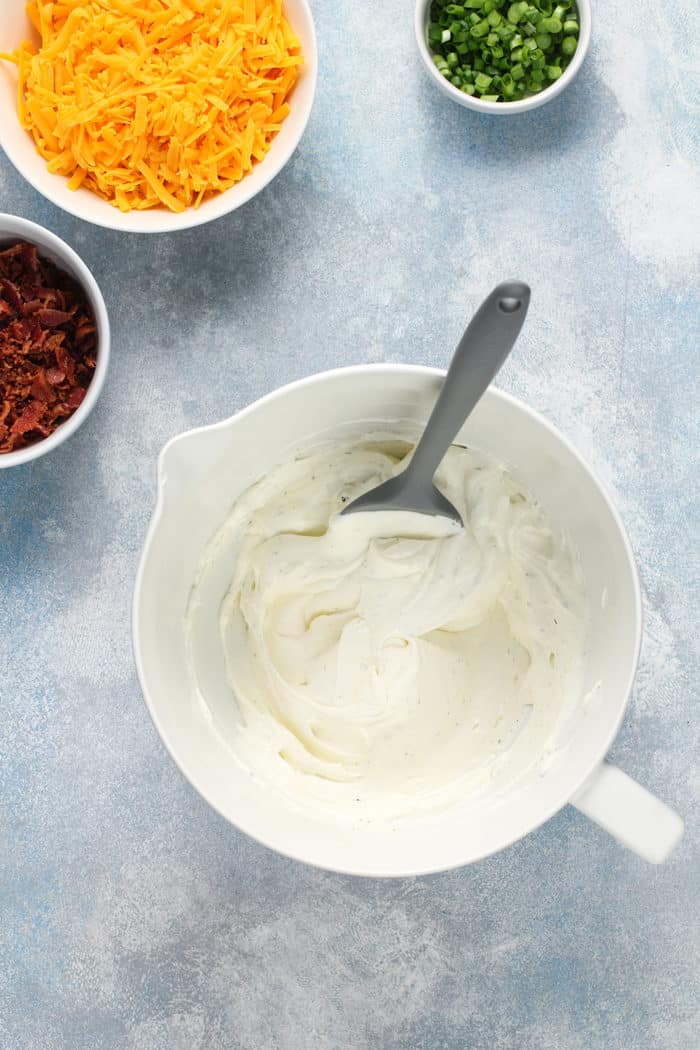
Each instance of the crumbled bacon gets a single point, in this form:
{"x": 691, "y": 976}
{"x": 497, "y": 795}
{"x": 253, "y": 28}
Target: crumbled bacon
{"x": 53, "y": 318}
{"x": 12, "y": 293}
{"x": 48, "y": 346}
{"x": 29, "y": 419}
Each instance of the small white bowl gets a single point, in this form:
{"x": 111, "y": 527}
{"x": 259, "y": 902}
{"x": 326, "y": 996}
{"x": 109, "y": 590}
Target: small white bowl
{"x": 19, "y": 145}
{"x": 502, "y": 109}
{"x": 13, "y": 229}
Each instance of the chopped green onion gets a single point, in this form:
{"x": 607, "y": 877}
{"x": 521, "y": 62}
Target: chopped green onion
{"x": 499, "y": 50}
{"x": 480, "y": 29}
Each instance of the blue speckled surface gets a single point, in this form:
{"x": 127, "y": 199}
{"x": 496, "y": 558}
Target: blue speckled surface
{"x": 133, "y": 917}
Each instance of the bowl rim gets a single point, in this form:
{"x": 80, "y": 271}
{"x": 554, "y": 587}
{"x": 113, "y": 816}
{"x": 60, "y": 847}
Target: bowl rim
{"x": 503, "y": 109}
{"x": 160, "y": 219}
{"x": 14, "y": 226}
{"x": 188, "y": 769}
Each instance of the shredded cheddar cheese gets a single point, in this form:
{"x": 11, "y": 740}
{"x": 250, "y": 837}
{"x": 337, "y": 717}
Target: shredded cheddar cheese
{"x": 156, "y": 102}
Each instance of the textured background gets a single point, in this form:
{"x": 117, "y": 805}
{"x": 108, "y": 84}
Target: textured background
{"x": 131, "y": 915}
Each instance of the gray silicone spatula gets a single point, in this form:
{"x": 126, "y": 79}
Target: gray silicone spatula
{"x": 482, "y": 350}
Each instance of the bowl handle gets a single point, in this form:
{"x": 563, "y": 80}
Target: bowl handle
{"x": 632, "y": 814}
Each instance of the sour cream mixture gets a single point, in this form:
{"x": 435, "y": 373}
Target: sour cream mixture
{"x": 390, "y": 664}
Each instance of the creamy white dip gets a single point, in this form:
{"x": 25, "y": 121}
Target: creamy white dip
{"x": 389, "y": 664}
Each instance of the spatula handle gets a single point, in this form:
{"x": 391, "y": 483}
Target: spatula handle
{"x": 482, "y": 350}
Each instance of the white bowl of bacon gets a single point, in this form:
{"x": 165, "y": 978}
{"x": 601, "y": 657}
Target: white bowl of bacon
{"x": 54, "y": 341}
{"x": 150, "y": 120}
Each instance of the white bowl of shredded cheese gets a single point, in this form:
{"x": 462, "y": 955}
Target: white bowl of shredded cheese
{"x": 153, "y": 127}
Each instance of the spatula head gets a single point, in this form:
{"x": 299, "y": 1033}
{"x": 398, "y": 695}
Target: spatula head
{"x": 401, "y": 493}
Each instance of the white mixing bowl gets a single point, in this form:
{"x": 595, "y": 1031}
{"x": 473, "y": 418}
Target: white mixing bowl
{"x": 202, "y": 472}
